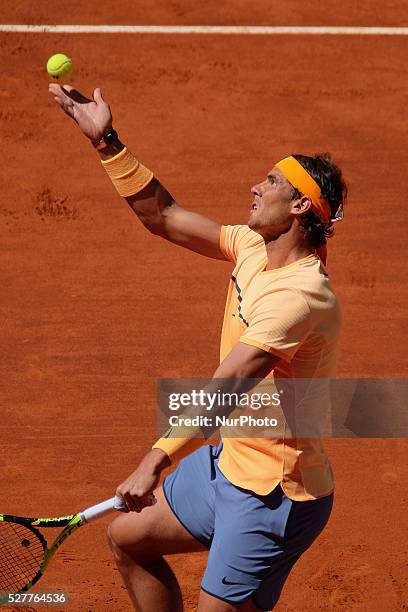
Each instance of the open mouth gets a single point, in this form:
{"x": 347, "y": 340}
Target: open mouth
{"x": 254, "y": 206}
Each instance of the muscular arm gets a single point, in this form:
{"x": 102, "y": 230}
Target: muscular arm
{"x": 161, "y": 215}
{"x": 243, "y": 362}
{"x": 238, "y": 373}
{"x": 246, "y": 361}
{"x": 154, "y": 205}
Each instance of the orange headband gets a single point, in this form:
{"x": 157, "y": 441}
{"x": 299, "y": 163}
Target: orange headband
{"x": 299, "y": 178}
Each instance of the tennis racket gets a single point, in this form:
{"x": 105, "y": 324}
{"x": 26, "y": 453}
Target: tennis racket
{"x": 24, "y": 552}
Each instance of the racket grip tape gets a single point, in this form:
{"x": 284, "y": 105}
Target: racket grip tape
{"x": 106, "y": 507}
{"x": 99, "y": 510}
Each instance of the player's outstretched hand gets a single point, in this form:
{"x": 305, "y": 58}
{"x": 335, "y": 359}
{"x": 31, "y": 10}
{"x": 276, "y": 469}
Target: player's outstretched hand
{"x": 137, "y": 490}
{"x": 94, "y": 116}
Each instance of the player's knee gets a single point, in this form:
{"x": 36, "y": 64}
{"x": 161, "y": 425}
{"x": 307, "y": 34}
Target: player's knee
{"x": 117, "y": 543}
{"x": 126, "y": 550}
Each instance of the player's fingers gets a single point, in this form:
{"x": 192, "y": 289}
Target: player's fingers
{"x": 120, "y": 504}
{"x": 119, "y": 495}
{"x": 58, "y": 90}
{"x": 75, "y": 95}
{"x": 132, "y": 502}
{"x": 61, "y": 97}
{"x": 67, "y": 87}
{"x": 149, "y": 500}
{"x": 68, "y": 108}
{"x": 129, "y": 502}
{"x": 97, "y": 95}
{"x": 55, "y": 89}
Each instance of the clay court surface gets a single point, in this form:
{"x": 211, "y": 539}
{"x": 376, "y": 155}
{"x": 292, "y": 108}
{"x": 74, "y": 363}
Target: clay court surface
{"x": 94, "y": 309}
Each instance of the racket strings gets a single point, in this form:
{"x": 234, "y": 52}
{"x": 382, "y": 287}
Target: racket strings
{"x": 21, "y": 556}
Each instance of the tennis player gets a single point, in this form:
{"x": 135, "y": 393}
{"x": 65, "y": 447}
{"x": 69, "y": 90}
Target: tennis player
{"x": 256, "y": 504}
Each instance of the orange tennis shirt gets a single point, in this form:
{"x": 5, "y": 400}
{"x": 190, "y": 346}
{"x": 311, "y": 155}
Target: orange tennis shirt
{"x": 293, "y": 313}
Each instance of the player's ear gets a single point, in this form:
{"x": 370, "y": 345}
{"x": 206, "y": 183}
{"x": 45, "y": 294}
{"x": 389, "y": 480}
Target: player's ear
{"x": 301, "y": 205}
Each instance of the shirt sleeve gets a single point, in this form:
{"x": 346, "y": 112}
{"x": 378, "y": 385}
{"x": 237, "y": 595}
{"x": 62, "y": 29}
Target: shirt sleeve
{"x": 279, "y": 323}
{"x": 178, "y": 448}
{"x": 235, "y": 237}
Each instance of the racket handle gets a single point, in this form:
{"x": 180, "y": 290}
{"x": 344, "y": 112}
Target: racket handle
{"x": 106, "y": 507}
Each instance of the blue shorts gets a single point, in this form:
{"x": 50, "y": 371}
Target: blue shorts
{"x": 254, "y": 540}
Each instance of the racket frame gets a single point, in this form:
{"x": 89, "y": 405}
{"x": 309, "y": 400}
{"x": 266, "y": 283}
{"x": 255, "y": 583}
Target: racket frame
{"x": 70, "y": 522}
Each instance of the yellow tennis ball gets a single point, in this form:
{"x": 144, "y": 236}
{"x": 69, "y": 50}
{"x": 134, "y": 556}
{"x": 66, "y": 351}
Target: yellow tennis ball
{"x": 59, "y": 66}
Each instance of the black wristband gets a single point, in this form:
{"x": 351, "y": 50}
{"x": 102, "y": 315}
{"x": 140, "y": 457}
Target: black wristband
{"x": 106, "y": 140}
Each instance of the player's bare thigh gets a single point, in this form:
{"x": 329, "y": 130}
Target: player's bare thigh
{"x": 153, "y": 532}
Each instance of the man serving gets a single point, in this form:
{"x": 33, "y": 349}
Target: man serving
{"x": 256, "y": 504}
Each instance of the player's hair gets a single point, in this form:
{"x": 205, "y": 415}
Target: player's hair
{"x": 334, "y": 190}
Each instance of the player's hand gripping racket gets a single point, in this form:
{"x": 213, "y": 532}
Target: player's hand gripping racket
{"x": 24, "y": 552}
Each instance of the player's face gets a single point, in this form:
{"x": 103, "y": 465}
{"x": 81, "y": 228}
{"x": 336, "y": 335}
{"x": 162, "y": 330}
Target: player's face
{"x": 271, "y": 206}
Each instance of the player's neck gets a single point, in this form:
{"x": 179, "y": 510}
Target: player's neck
{"x": 284, "y": 251}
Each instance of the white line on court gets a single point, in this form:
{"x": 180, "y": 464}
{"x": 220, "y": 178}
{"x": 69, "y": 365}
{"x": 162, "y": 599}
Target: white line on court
{"x": 206, "y": 29}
